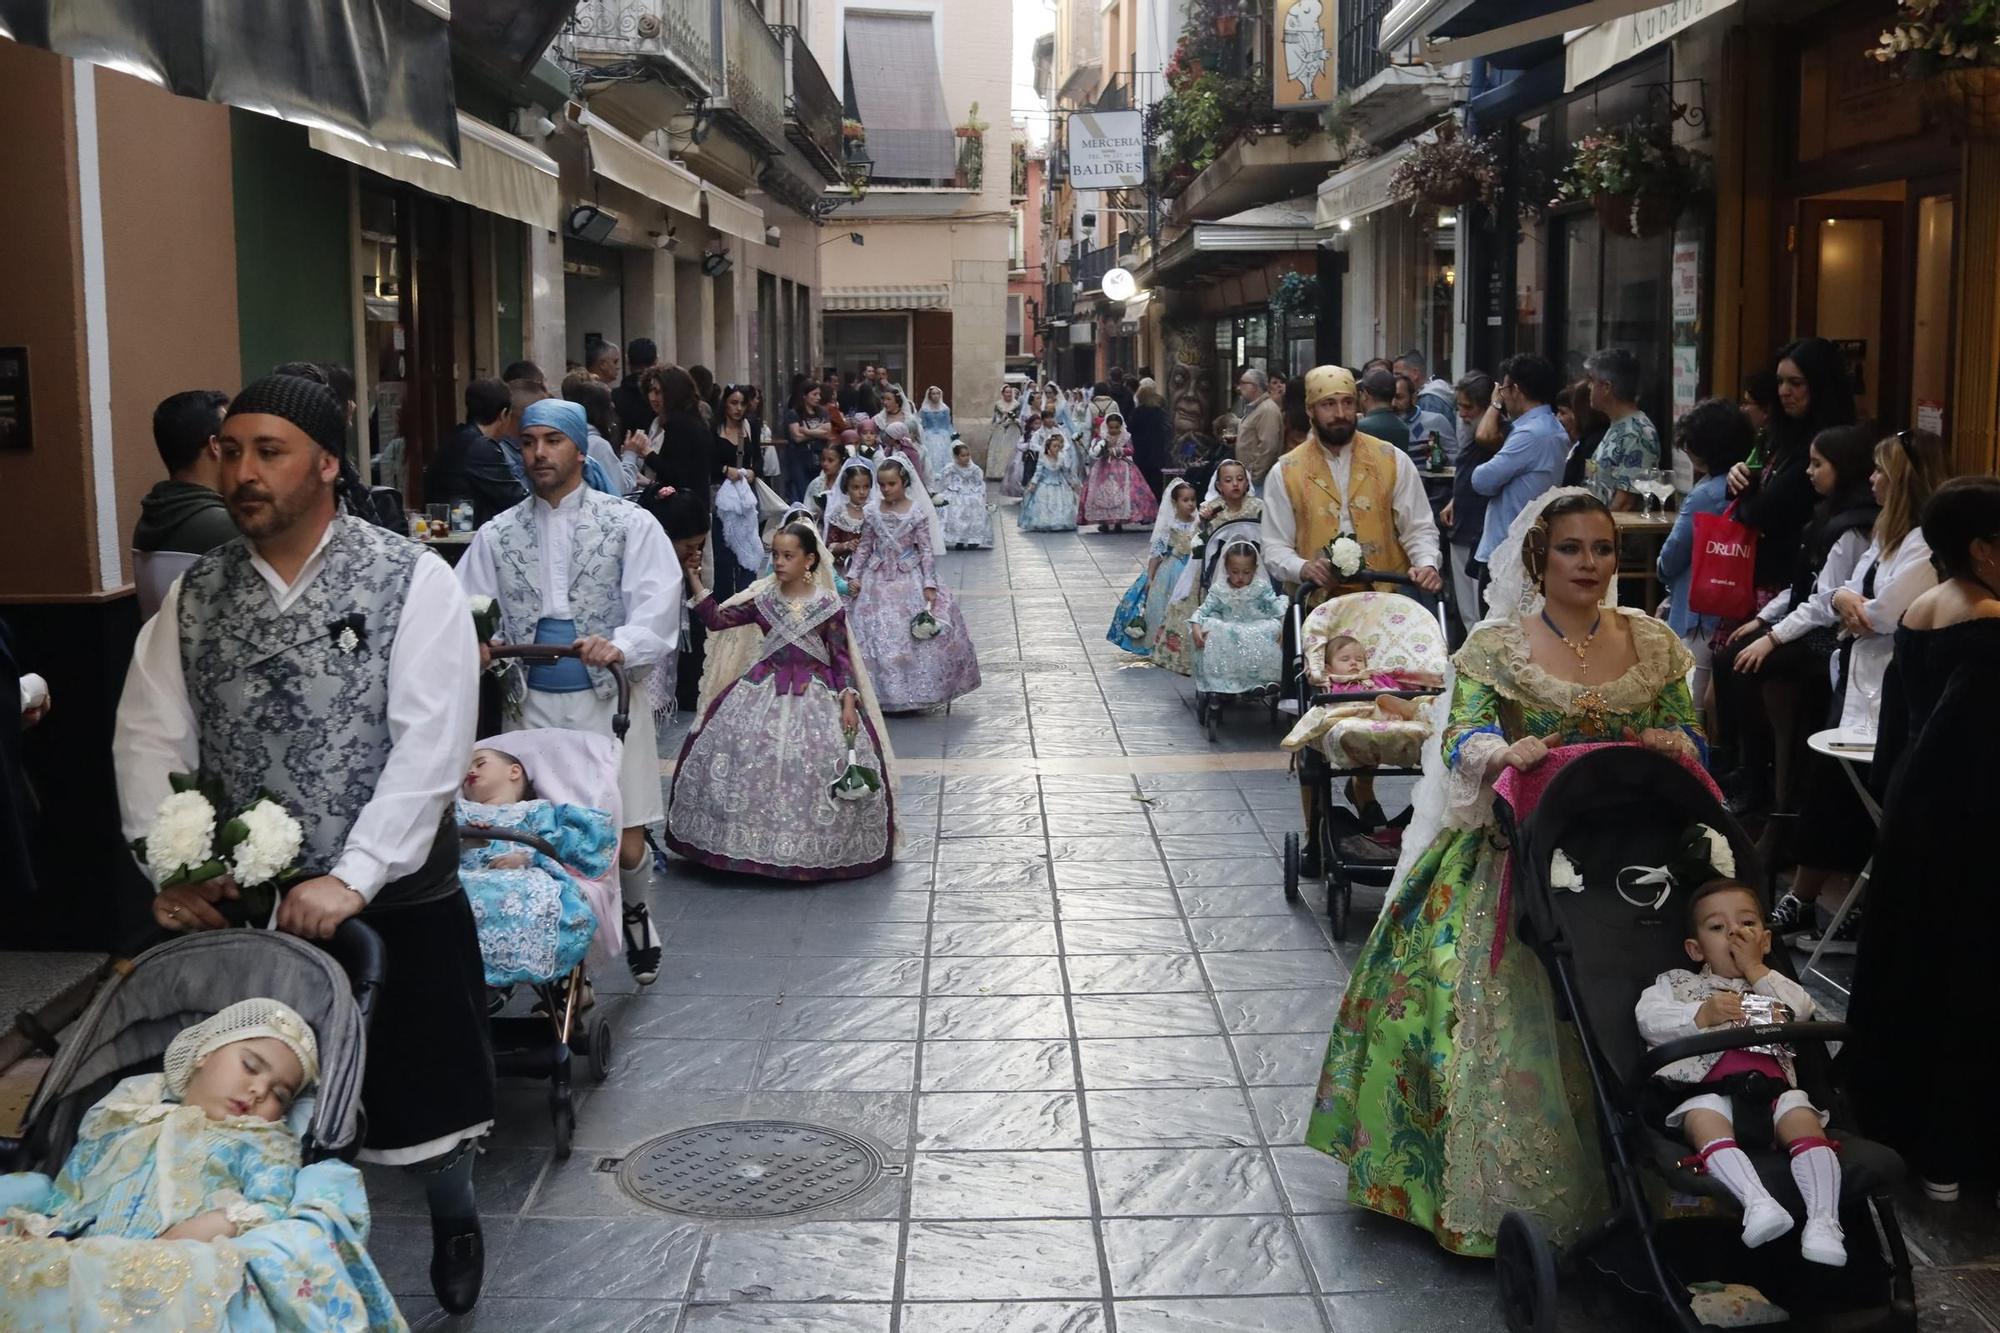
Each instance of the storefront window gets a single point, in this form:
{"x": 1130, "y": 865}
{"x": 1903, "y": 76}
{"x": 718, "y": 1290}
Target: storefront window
{"x": 1530, "y": 263}
{"x": 386, "y": 330}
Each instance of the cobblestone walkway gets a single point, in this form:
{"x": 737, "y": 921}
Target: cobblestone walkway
{"x": 1077, "y": 1020}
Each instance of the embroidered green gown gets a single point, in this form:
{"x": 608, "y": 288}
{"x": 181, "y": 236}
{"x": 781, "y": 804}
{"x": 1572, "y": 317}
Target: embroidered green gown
{"x": 1449, "y": 1089}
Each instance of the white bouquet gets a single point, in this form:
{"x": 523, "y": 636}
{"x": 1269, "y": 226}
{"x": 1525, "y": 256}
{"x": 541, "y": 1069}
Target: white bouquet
{"x": 855, "y": 782}
{"x": 924, "y": 625}
{"x": 179, "y": 846}
{"x": 262, "y": 843}
{"x": 1721, "y": 857}
{"x": 1344, "y": 554}
{"x": 1563, "y": 873}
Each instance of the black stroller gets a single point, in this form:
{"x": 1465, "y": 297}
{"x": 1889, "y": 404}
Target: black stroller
{"x": 1208, "y": 706}
{"x": 138, "y": 1012}
{"x": 1621, "y": 807}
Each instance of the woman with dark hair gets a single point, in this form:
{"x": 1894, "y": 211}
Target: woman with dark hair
{"x": 1777, "y": 499}
{"x": 760, "y": 431}
{"x": 685, "y": 519}
{"x": 1464, "y": 518}
{"x": 1150, "y": 431}
{"x": 807, "y": 429}
{"x": 684, "y": 453}
{"x": 1923, "y": 964}
{"x": 1759, "y": 403}
{"x": 1715, "y": 437}
{"x": 1586, "y": 426}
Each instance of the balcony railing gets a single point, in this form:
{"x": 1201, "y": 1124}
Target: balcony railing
{"x": 679, "y": 33}
{"x": 937, "y": 159}
{"x": 1088, "y": 269}
{"x": 812, "y": 108}
{"x": 753, "y": 74}
{"x": 1361, "y": 57}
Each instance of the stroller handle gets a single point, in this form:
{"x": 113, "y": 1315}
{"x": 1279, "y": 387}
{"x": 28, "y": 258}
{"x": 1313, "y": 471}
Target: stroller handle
{"x": 556, "y": 652}
{"x": 358, "y": 950}
{"x": 1735, "y": 1039}
{"x": 1364, "y": 579}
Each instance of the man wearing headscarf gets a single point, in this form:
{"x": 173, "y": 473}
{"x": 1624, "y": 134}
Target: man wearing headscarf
{"x": 327, "y": 662}
{"x": 576, "y": 567}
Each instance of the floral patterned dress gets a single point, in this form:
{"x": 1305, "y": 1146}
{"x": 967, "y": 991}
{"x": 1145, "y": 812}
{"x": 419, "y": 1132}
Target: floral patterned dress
{"x": 1173, "y": 645}
{"x": 1114, "y": 490}
{"x": 534, "y": 923}
{"x": 892, "y": 566}
{"x": 1242, "y": 625}
{"x": 1450, "y": 1090}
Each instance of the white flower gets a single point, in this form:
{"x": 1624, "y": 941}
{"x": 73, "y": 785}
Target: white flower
{"x": 1345, "y": 554}
{"x": 480, "y": 605}
{"x": 270, "y": 848}
{"x": 1563, "y": 873}
{"x": 348, "y": 641}
{"x": 182, "y": 836}
{"x": 1721, "y": 857}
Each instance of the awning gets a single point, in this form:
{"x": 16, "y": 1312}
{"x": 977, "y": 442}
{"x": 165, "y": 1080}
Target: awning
{"x": 496, "y": 172}
{"x": 1452, "y": 30}
{"x": 892, "y": 65}
{"x": 1359, "y": 190}
{"x": 375, "y": 71}
{"x": 919, "y": 297}
{"x": 639, "y": 168}
{"x": 1241, "y": 240}
{"x": 731, "y": 216}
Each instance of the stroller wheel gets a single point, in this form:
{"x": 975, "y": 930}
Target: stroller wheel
{"x": 601, "y": 1062}
{"x": 1291, "y": 867}
{"x": 1525, "y": 1263}
{"x": 1339, "y": 900}
{"x": 562, "y": 1111}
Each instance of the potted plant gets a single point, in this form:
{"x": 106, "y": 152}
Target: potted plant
{"x": 1296, "y": 296}
{"x": 974, "y": 127}
{"x": 1636, "y": 177}
{"x": 1447, "y": 171}
{"x": 852, "y": 130}
{"x": 1956, "y": 43}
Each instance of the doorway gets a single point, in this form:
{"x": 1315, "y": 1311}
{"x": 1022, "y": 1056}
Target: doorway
{"x": 1851, "y": 292}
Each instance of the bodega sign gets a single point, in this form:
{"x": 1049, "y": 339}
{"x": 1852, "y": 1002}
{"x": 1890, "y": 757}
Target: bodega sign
{"x": 1107, "y": 150}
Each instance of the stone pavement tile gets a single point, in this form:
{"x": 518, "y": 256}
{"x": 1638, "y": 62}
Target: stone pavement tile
{"x": 514, "y": 1314}
{"x": 867, "y": 901}
{"x": 607, "y": 1118}
{"x": 1089, "y": 848}
{"x": 1002, "y": 1317}
{"x": 576, "y": 1188}
{"x": 995, "y": 976}
{"x": 1019, "y": 906}
{"x": 1161, "y": 1182}
{"x": 1219, "y": 1314}
{"x": 990, "y": 825}
{"x": 992, "y": 1018}
{"x": 964, "y": 1185}
{"x": 1115, "y": 904}
{"x": 1066, "y": 822}
{"x": 998, "y": 1066}
{"x": 1183, "y": 847}
{"x": 992, "y": 938}
{"x": 605, "y": 1258}
{"x": 775, "y": 937}
{"x": 503, "y": 1179}
{"x": 853, "y": 976}
{"x": 1312, "y": 1181}
{"x": 401, "y": 1249}
{"x": 993, "y": 877}
{"x": 645, "y": 1016}
{"x": 774, "y": 1318}
{"x": 865, "y": 939}
{"x": 1436, "y": 1312}
{"x": 985, "y": 1121}
{"x": 1170, "y": 1118}
{"x": 1222, "y": 824}
{"x": 1272, "y": 969}
{"x": 1268, "y": 1058}
{"x": 838, "y": 1066}
{"x": 697, "y": 974}
{"x": 845, "y": 1018}
{"x": 804, "y": 1261}
{"x": 1024, "y": 801}
{"x": 1130, "y": 936}
{"x": 1229, "y": 934}
{"x": 1240, "y": 869}
{"x": 1168, "y": 1014}
{"x": 1204, "y": 799}
{"x": 1111, "y": 874}
{"x": 1204, "y": 1256}
{"x": 1122, "y": 804}
{"x": 1280, "y": 1010}
{"x": 881, "y": 1116}
{"x": 1103, "y": 974}
{"x": 1002, "y": 1260}
{"x": 683, "y": 1065}
{"x": 1250, "y": 900}
{"x": 1282, "y": 1112}
{"x": 1356, "y": 1250}
{"x": 1157, "y": 1062}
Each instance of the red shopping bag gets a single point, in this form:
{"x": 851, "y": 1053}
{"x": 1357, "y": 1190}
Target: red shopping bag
{"x": 1722, "y": 579}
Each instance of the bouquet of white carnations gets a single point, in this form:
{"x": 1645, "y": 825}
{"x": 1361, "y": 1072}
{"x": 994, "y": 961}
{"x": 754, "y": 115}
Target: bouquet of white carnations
{"x": 189, "y": 843}
{"x": 855, "y": 782}
{"x": 1136, "y": 627}
{"x": 924, "y": 626}
{"x": 1344, "y": 554}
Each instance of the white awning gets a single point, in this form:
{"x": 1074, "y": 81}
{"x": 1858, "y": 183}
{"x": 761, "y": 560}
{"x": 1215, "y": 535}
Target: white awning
{"x": 636, "y": 167}
{"x": 497, "y": 172}
{"x": 920, "y": 297}
{"x": 733, "y": 217}
{"x": 1466, "y": 36}
{"x": 1359, "y": 190}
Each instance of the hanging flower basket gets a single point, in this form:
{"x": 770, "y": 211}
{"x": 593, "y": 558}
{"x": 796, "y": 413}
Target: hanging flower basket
{"x": 1637, "y": 215}
{"x": 1954, "y": 46}
{"x": 1971, "y": 100}
{"x": 1449, "y": 170}
{"x": 1637, "y": 178}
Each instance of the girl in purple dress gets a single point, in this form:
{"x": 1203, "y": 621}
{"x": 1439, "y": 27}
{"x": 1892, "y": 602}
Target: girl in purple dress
{"x": 1115, "y": 493}
{"x": 753, "y": 789}
{"x": 893, "y": 574}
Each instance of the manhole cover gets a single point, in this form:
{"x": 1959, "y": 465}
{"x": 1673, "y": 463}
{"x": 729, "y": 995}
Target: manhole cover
{"x": 749, "y": 1168}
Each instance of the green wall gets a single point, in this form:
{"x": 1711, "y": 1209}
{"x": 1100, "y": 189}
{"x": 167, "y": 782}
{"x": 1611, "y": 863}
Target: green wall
{"x": 293, "y": 269}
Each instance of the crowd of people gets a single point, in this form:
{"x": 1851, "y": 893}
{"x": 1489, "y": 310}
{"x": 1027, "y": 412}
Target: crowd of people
{"x": 670, "y": 550}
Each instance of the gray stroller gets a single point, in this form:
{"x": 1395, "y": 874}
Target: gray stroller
{"x": 128, "y": 1026}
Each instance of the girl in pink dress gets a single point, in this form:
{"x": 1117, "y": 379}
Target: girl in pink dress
{"x": 893, "y": 574}
{"x": 1115, "y": 493}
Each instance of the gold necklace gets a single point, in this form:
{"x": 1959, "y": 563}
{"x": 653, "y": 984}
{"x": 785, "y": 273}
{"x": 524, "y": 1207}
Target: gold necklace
{"x": 1582, "y": 650}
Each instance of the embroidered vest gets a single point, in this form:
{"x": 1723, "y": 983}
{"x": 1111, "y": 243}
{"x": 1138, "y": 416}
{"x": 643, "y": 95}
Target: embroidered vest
{"x": 1371, "y": 509}
{"x": 596, "y": 573}
{"x": 296, "y": 702}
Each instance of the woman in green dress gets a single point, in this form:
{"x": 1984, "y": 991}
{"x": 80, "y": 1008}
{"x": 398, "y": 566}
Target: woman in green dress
{"x": 1450, "y": 1090}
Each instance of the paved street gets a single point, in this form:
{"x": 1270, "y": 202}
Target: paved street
{"x": 1077, "y": 1021}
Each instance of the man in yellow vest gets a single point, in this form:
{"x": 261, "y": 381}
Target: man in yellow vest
{"x": 1342, "y": 483}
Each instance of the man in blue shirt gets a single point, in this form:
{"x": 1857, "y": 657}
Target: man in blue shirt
{"x": 1531, "y": 461}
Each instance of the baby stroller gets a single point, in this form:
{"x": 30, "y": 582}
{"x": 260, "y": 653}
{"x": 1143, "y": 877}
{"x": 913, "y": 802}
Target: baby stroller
{"x": 1403, "y": 633}
{"x": 140, "y": 1010}
{"x": 570, "y": 768}
{"x": 1208, "y": 706}
{"x": 1618, "y": 807}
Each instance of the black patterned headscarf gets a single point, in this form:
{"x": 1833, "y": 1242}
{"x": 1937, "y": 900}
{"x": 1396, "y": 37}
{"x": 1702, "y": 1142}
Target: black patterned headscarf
{"x": 311, "y": 406}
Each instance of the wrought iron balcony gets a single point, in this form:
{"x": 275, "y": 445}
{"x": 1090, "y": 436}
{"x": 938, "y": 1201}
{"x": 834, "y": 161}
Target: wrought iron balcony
{"x": 1088, "y": 269}
{"x": 752, "y": 93}
{"x": 1361, "y": 57}
{"x": 680, "y": 34}
{"x": 812, "y": 108}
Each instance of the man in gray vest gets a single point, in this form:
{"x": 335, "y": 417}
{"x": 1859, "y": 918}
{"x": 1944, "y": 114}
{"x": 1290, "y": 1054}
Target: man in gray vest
{"x": 332, "y": 664}
{"x": 574, "y": 566}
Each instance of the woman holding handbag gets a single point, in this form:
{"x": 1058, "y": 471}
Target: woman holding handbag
{"x": 1715, "y": 437}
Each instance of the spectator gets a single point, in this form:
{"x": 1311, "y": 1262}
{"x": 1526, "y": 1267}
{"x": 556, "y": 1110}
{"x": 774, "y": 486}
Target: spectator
{"x": 472, "y": 465}
{"x": 634, "y": 413}
{"x": 1630, "y": 444}
{"x": 848, "y": 394}
{"x": 1715, "y": 437}
{"x": 184, "y": 514}
{"x": 525, "y": 370}
{"x": 1150, "y": 431}
{"x": 1425, "y": 426}
{"x": 1276, "y": 385}
{"x": 1759, "y": 402}
{"x": 829, "y": 400}
{"x": 1464, "y": 518}
{"x": 1378, "y": 410}
{"x": 1531, "y": 461}
{"x": 1298, "y": 427}
{"x": 600, "y": 358}
{"x": 1432, "y": 395}
{"x": 685, "y": 453}
{"x": 1777, "y": 499}
{"x": 1585, "y": 426}
{"x": 706, "y": 394}
{"x": 1120, "y": 392}
{"x": 1261, "y": 436}
{"x": 807, "y": 428}
{"x": 610, "y": 468}
{"x": 868, "y": 393}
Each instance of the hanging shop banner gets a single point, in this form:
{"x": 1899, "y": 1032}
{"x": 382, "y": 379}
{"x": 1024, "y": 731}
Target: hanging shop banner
{"x": 1302, "y": 61}
{"x": 1595, "y": 50}
{"x": 1107, "y": 150}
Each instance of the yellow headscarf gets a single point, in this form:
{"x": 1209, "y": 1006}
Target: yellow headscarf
{"x": 1323, "y": 382}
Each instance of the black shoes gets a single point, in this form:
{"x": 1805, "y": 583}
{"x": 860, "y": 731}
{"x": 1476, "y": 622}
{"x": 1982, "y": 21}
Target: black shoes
{"x": 458, "y": 1262}
{"x": 1791, "y": 915}
{"x": 1309, "y": 863}
{"x": 642, "y": 945}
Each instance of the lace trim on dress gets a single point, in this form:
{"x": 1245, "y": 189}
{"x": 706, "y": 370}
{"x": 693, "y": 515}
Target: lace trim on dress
{"x": 796, "y": 624}
{"x": 1496, "y": 655}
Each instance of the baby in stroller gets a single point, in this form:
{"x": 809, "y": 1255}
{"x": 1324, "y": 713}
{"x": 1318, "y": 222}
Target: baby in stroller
{"x": 197, "y": 1174}
{"x": 1340, "y": 666}
{"x": 519, "y": 860}
{"x": 1704, "y": 1096}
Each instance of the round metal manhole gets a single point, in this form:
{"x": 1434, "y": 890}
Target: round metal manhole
{"x": 748, "y": 1169}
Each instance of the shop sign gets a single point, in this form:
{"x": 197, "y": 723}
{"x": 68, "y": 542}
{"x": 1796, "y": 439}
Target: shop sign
{"x": 1687, "y": 378}
{"x": 1687, "y": 282}
{"x": 1107, "y": 150}
{"x": 1304, "y": 40}
{"x": 1598, "y": 49}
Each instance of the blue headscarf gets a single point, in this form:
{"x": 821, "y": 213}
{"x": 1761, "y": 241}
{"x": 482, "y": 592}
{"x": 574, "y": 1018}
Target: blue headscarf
{"x": 567, "y": 417}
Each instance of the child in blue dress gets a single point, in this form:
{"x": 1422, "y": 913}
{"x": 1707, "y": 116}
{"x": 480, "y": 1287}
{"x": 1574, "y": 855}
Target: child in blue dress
{"x": 1144, "y": 622}
{"x": 1049, "y": 504}
{"x": 1238, "y": 627}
